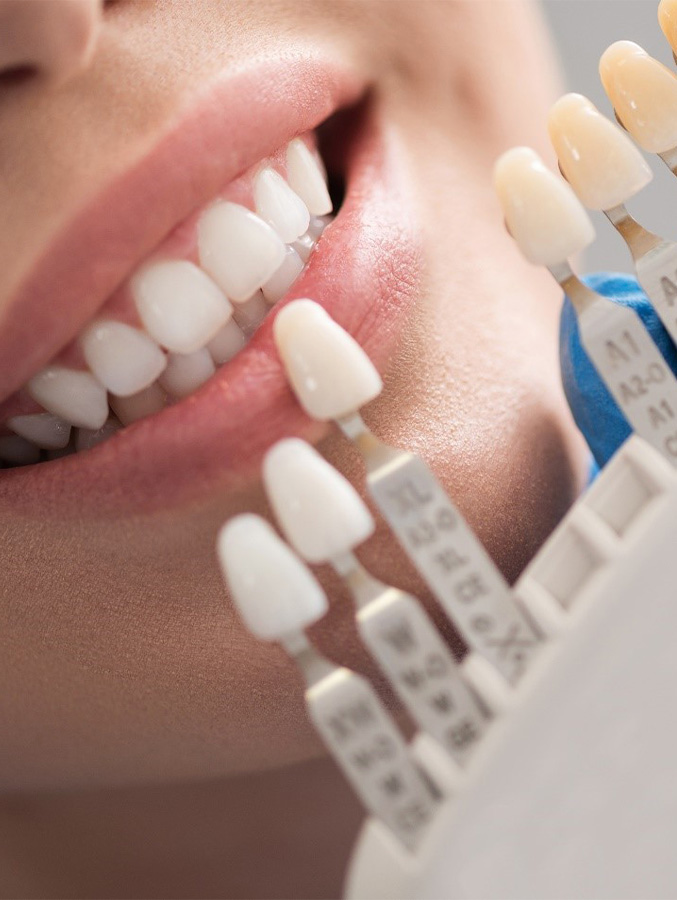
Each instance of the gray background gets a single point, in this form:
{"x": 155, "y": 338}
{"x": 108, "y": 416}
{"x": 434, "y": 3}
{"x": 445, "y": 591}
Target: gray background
{"x": 582, "y": 30}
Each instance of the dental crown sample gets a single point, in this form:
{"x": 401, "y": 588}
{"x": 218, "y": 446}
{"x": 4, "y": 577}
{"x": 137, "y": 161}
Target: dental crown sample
{"x": 643, "y": 93}
{"x": 541, "y": 211}
{"x": 667, "y": 19}
{"x": 329, "y": 372}
{"x": 275, "y": 593}
{"x": 319, "y": 511}
{"x": 597, "y": 158}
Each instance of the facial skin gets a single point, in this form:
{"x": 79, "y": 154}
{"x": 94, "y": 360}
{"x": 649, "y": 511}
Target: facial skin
{"x": 123, "y": 662}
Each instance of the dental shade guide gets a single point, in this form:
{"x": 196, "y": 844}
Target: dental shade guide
{"x": 332, "y": 378}
{"x": 277, "y": 598}
{"x": 324, "y": 519}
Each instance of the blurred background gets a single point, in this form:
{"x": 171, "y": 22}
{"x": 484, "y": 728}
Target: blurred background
{"x": 582, "y": 30}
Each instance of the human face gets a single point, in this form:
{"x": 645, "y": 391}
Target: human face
{"x": 123, "y": 658}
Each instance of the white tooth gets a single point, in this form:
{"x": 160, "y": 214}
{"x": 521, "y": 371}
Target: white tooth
{"x": 249, "y": 315}
{"x": 238, "y": 249}
{"x": 179, "y": 305}
{"x": 274, "y": 592}
{"x": 185, "y": 373}
{"x": 317, "y": 225}
{"x": 319, "y": 511}
{"x": 277, "y": 204}
{"x": 70, "y": 394}
{"x": 329, "y": 372}
{"x": 227, "y": 342}
{"x": 123, "y": 358}
{"x": 304, "y": 247}
{"x": 85, "y": 438}
{"x": 276, "y": 287}
{"x": 18, "y": 451}
{"x": 306, "y": 178}
{"x": 139, "y": 406}
{"x": 42, "y": 429}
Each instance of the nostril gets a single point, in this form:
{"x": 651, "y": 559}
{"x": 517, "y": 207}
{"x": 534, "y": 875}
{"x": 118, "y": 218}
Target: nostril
{"x": 15, "y": 76}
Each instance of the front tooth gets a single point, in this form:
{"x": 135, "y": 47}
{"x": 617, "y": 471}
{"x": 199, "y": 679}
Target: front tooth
{"x": 179, "y": 305}
{"x": 306, "y": 178}
{"x": 329, "y": 372}
{"x": 123, "y": 358}
{"x": 319, "y": 511}
{"x": 249, "y": 315}
{"x": 42, "y": 429}
{"x": 644, "y": 94}
{"x": 227, "y": 342}
{"x": 85, "y": 438}
{"x": 541, "y": 211}
{"x": 277, "y": 204}
{"x": 317, "y": 225}
{"x": 17, "y": 451}
{"x": 185, "y": 373}
{"x": 304, "y": 247}
{"x": 70, "y": 394}
{"x": 139, "y": 406}
{"x": 276, "y": 287}
{"x": 597, "y": 158}
{"x": 238, "y": 249}
{"x": 667, "y": 19}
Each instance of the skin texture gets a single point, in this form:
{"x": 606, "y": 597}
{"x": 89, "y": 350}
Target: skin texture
{"x": 127, "y": 681}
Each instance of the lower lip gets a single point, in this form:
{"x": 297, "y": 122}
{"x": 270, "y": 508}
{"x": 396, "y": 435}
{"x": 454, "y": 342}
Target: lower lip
{"x": 364, "y": 272}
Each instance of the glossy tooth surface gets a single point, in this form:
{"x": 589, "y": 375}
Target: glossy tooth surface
{"x": 124, "y": 359}
{"x": 85, "y": 438}
{"x": 317, "y": 225}
{"x": 276, "y": 287}
{"x": 227, "y": 342}
{"x": 306, "y": 178}
{"x": 541, "y": 211}
{"x": 185, "y": 373}
{"x": 319, "y": 511}
{"x": 304, "y": 247}
{"x": 597, "y": 158}
{"x": 73, "y": 395}
{"x": 138, "y": 406}
{"x": 250, "y": 314}
{"x": 180, "y": 306}
{"x": 238, "y": 249}
{"x": 274, "y": 592}
{"x": 329, "y": 372}
{"x": 278, "y": 205}
{"x": 17, "y": 451}
{"x": 644, "y": 94}
{"x": 667, "y": 18}
{"x": 42, "y": 429}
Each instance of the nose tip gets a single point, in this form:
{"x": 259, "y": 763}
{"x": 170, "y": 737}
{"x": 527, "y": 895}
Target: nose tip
{"x": 54, "y": 39}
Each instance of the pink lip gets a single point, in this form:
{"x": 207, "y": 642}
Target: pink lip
{"x": 363, "y": 271}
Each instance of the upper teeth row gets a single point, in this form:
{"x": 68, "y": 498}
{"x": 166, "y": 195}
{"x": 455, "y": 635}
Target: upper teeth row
{"x": 200, "y": 315}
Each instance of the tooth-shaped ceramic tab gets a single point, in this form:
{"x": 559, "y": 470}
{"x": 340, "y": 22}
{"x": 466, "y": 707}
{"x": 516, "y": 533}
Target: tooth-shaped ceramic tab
{"x": 276, "y": 287}
{"x": 185, "y": 373}
{"x": 644, "y": 94}
{"x": 238, "y": 249}
{"x": 71, "y": 394}
{"x": 85, "y": 438}
{"x": 667, "y": 18}
{"x": 17, "y": 451}
{"x": 179, "y": 305}
{"x": 541, "y": 211}
{"x": 139, "y": 406}
{"x": 278, "y": 205}
{"x": 227, "y": 342}
{"x": 329, "y": 372}
{"x": 597, "y": 158}
{"x": 319, "y": 511}
{"x": 306, "y": 178}
{"x": 274, "y": 592}
{"x": 124, "y": 359}
{"x": 42, "y": 429}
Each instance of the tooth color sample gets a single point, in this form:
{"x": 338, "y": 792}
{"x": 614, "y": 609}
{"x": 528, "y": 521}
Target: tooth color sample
{"x": 598, "y": 159}
{"x": 186, "y": 373}
{"x": 644, "y": 94}
{"x": 274, "y": 592}
{"x": 17, "y": 451}
{"x": 278, "y": 205}
{"x": 179, "y": 305}
{"x": 238, "y": 249}
{"x": 123, "y": 359}
{"x": 277, "y": 286}
{"x": 319, "y": 511}
{"x": 146, "y": 403}
{"x": 667, "y": 19}
{"x": 541, "y": 211}
{"x": 71, "y": 394}
{"x": 228, "y": 341}
{"x": 42, "y": 429}
{"x": 306, "y": 178}
{"x": 329, "y": 372}
{"x": 85, "y": 438}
